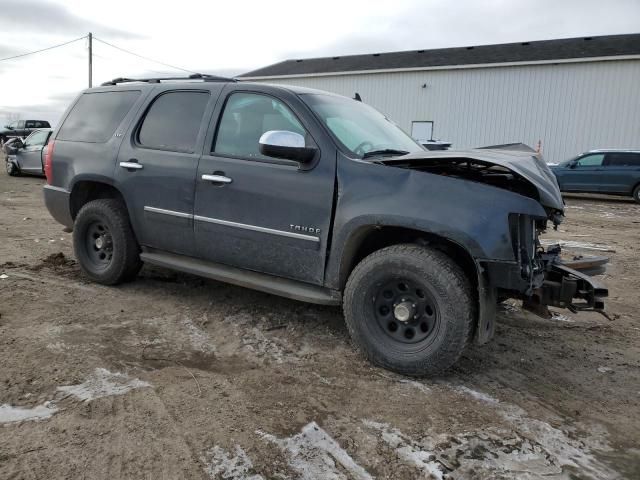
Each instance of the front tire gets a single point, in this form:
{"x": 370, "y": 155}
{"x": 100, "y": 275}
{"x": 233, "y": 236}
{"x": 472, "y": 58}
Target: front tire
{"x": 11, "y": 168}
{"x": 409, "y": 309}
{"x": 636, "y": 194}
{"x": 104, "y": 243}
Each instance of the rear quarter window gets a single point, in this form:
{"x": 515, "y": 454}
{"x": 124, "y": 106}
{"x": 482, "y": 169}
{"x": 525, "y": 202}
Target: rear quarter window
{"x": 96, "y": 115}
{"x": 623, "y": 159}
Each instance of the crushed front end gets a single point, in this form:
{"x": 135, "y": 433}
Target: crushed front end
{"x": 540, "y": 277}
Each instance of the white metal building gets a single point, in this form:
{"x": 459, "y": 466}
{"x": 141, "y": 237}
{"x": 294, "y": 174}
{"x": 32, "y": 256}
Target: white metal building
{"x": 572, "y": 95}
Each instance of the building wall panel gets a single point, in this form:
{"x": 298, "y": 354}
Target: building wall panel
{"x": 570, "y": 107}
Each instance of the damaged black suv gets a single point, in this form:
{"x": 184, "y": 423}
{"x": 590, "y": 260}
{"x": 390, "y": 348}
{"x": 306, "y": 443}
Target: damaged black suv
{"x": 315, "y": 197}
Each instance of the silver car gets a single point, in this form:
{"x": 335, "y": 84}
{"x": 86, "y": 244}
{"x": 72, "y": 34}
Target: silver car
{"x": 27, "y": 157}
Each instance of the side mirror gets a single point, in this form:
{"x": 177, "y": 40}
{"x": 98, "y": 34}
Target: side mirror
{"x": 573, "y": 164}
{"x": 287, "y": 145}
{"x": 8, "y": 127}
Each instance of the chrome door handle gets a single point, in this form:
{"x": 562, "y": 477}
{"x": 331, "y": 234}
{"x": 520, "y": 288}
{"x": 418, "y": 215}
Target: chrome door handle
{"x": 216, "y": 178}
{"x": 134, "y": 165}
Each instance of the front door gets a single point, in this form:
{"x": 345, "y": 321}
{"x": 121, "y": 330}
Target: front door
{"x": 260, "y": 213}
{"x": 585, "y": 175}
{"x": 157, "y": 165}
{"x": 30, "y": 157}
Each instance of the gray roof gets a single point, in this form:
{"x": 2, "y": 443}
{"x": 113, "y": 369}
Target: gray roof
{"x": 563, "y": 49}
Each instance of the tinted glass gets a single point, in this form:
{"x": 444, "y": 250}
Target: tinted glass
{"x": 95, "y": 116}
{"x": 246, "y": 117}
{"x": 623, "y": 159}
{"x": 39, "y": 124}
{"x": 30, "y": 124}
{"x": 173, "y": 121}
{"x": 591, "y": 160}
{"x": 37, "y": 138}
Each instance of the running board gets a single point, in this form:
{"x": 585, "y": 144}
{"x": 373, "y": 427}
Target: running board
{"x": 243, "y": 278}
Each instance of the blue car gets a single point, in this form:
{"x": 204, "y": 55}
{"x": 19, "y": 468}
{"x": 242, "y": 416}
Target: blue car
{"x": 613, "y": 172}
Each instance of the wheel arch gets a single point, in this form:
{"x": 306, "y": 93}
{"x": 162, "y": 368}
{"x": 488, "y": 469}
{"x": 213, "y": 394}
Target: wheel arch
{"x": 86, "y": 190}
{"x": 368, "y": 239}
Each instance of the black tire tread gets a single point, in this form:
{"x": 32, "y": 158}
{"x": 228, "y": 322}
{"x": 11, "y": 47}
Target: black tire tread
{"x": 449, "y": 275}
{"x": 124, "y": 267}
{"x": 636, "y": 193}
{"x": 15, "y": 171}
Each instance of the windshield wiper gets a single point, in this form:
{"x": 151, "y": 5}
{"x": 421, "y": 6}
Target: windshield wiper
{"x": 385, "y": 151}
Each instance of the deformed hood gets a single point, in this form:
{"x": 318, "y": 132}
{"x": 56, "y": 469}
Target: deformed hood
{"x": 526, "y": 165}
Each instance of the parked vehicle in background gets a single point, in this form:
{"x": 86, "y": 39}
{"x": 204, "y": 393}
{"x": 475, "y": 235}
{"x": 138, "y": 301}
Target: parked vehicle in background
{"x": 315, "y": 197}
{"x": 21, "y": 129}
{"x": 613, "y": 172}
{"x": 27, "y": 157}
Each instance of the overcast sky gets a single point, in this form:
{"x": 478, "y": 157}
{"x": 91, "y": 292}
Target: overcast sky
{"x": 231, "y": 37}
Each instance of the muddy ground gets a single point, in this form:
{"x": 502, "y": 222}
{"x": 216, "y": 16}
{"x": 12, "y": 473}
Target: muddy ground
{"x": 173, "y": 376}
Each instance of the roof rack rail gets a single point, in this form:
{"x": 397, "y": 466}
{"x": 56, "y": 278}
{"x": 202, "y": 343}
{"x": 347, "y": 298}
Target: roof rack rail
{"x": 196, "y": 76}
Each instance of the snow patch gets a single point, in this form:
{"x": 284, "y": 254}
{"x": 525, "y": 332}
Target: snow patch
{"x": 9, "y": 414}
{"x": 408, "y": 450}
{"x": 199, "y": 338}
{"x": 560, "y": 317}
{"x": 103, "y": 383}
{"x": 575, "y": 244}
{"x": 415, "y": 384}
{"x": 254, "y": 340}
{"x": 220, "y": 463}
{"x": 314, "y": 454}
{"x": 477, "y": 395}
{"x": 533, "y": 445}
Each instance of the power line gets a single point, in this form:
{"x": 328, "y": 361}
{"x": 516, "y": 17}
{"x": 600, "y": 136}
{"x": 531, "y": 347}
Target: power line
{"x": 43, "y": 50}
{"x": 143, "y": 57}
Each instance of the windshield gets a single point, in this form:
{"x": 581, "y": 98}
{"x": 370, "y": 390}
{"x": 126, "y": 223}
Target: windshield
{"x": 362, "y": 130}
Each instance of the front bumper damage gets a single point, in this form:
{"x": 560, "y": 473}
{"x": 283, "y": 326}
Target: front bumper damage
{"x": 566, "y": 287}
{"x": 554, "y": 283}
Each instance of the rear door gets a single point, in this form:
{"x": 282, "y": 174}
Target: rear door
{"x": 585, "y": 175}
{"x": 30, "y": 157}
{"x": 271, "y": 216}
{"x": 157, "y": 165}
{"x": 621, "y": 172}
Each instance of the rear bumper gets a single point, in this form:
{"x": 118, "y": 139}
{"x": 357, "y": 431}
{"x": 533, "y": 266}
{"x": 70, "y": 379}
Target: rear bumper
{"x": 56, "y": 200}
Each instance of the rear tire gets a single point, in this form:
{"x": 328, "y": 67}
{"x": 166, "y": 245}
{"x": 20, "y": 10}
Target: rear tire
{"x": 636, "y": 194}
{"x": 409, "y": 309}
{"x": 11, "y": 168}
{"x": 104, "y": 243}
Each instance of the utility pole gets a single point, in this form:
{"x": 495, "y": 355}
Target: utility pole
{"x": 90, "y": 60}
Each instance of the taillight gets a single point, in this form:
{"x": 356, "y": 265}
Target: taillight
{"x": 48, "y": 162}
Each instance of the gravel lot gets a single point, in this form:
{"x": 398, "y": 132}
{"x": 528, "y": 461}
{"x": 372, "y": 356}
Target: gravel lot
{"x": 173, "y": 376}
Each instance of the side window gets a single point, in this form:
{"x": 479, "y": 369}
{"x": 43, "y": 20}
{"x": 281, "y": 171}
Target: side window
{"x": 594, "y": 160}
{"x": 623, "y": 159}
{"x": 30, "y": 124}
{"x": 173, "y": 121}
{"x": 37, "y": 138}
{"x": 245, "y": 118}
{"x": 96, "y": 115}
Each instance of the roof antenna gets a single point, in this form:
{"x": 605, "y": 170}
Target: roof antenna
{"x": 357, "y": 97}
